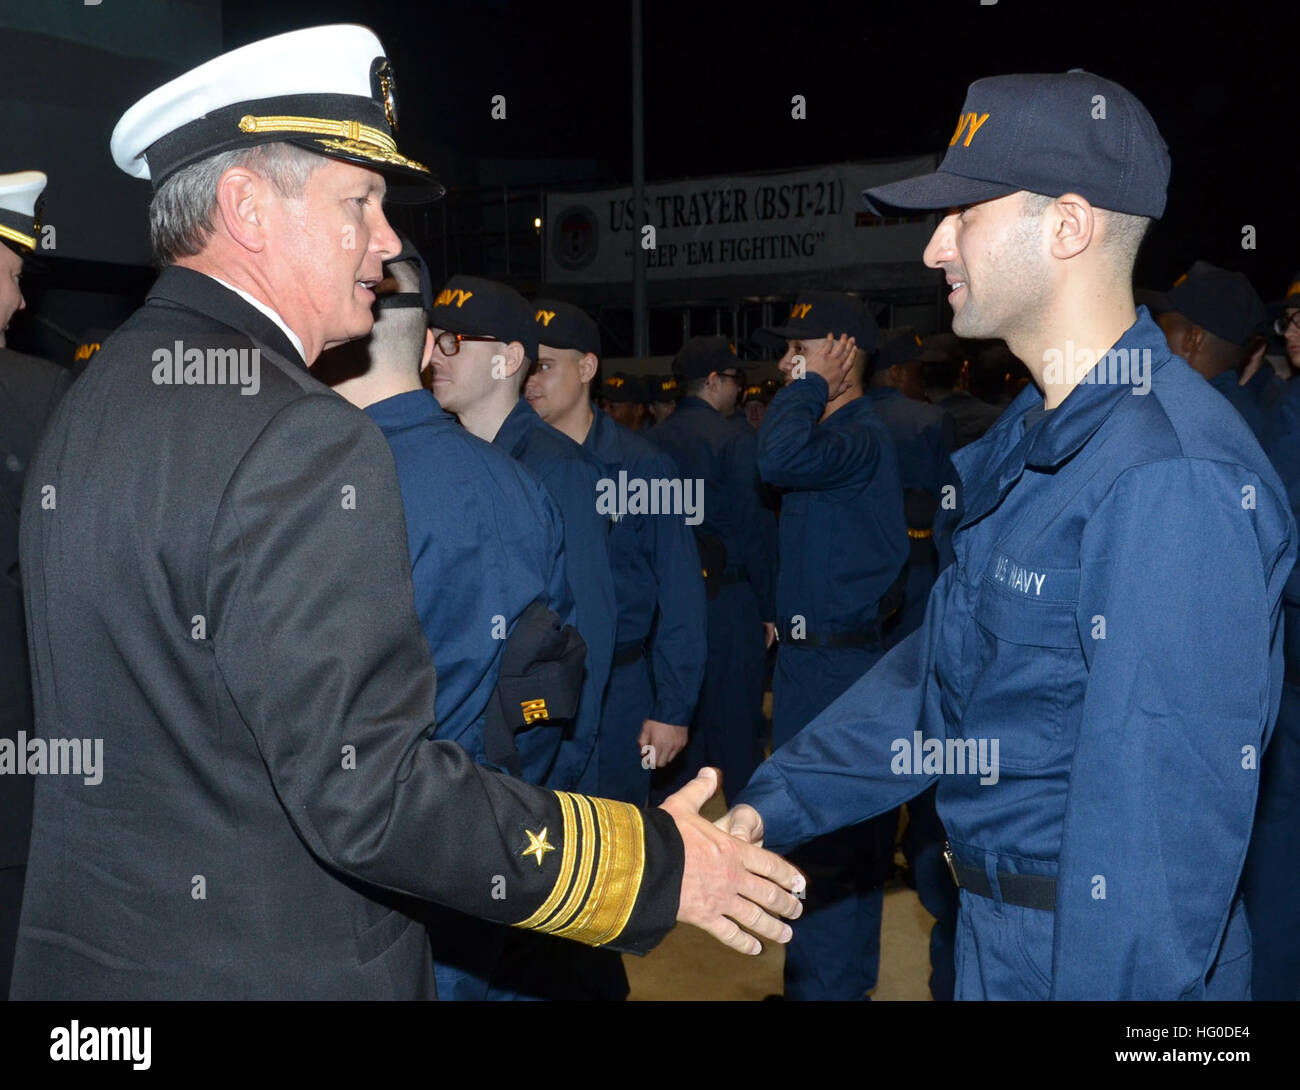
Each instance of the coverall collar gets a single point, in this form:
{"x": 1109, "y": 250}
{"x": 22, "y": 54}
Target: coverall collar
{"x": 1065, "y": 429}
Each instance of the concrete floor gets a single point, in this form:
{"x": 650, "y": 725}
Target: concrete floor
{"x": 689, "y": 964}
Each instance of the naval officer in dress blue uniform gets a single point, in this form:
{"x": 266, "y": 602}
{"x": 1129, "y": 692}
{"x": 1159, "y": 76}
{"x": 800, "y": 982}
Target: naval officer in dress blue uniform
{"x": 1099, "y": 668}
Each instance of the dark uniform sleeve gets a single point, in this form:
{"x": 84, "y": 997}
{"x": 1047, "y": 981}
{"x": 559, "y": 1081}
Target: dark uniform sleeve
{"x": 794, "y": 453}
{"x": 309, "y": 597}
{"x": 680, "y": 642}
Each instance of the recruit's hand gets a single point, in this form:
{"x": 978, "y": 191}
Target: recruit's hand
{"x": 769, "y": 634}
{"x": 726, "y": 883}
{"x": 744, "y": 823}
{"x": 665, "y": 740}
{"x": 833, "y": 360}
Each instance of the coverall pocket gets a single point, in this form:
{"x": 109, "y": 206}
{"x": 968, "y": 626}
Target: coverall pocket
{"x": 1026, "y": 654}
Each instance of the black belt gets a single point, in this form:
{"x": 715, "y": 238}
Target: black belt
{"x": 835, "y": 640}
{"x": 1025, "y": 890}
{"x": 626, "y": 653}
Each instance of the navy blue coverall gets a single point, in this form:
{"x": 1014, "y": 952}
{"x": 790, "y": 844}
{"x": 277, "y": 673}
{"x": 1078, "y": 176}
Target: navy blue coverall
{"x": 657, "y": 585}
{"x": 1106, "y": 653}
{"x": 843, "y": 545}
{"x": 726, "y": 731}
{"x": 485, "y": 541}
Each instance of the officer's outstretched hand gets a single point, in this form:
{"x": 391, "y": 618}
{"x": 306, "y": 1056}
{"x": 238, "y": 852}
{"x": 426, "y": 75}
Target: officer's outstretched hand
{"x": 728, "y": 884}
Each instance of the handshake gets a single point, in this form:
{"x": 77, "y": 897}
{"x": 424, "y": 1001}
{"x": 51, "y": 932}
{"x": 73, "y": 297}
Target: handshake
{"x": 730, "y": 885}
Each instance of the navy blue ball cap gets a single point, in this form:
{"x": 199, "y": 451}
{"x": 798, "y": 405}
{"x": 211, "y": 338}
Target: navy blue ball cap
{"x": 663, "y": 388}
{"x": 1220, "y": 301}
{"x": 562, "y": 325}
{"x": 1290, "y": 301}
{"x": 701, "y": 356}
{"x": 900, "y": 346}
{"x": 623, "y": 387}
{"x": 817, "y": 313}
{"x": 485, "y": 308}
{"x": 1051, "y": 133}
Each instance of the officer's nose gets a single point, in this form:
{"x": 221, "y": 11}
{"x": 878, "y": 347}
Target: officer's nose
{"x": 384, "y": 240}
{"x": 943, "y": 243}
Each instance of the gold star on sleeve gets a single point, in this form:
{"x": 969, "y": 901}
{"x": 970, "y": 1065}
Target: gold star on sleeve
{"x": 537, "y": 845}
{"x": 601, "y": 864}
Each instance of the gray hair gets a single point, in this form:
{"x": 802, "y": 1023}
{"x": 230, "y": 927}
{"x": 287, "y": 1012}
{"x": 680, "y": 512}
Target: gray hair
{"x": 182, "y": 209}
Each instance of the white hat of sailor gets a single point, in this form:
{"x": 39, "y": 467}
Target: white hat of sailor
{"x": 20, "y": 199}
{"x": 328, "y": 89}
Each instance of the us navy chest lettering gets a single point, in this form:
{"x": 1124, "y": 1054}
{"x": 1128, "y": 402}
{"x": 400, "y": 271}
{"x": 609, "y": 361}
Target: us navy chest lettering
{"x": 1011, "y": 574}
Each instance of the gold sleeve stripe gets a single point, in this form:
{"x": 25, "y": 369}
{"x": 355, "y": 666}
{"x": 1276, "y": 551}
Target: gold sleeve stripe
{"x": 26, "y": 241}
{"x": 590, "y": 841}
{"x": 567, "y": 856}
{"x": 618, "y": 875}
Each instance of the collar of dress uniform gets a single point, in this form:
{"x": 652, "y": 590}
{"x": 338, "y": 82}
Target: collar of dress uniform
{"x": 294, "y": 339}
{"x": 407, "y": 409}
{"x": 205, "y": 294}
{"x": 1005, "y": 450}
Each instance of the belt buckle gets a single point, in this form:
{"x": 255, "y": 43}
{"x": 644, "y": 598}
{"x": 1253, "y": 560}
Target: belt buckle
{"x": 951, "y": 860}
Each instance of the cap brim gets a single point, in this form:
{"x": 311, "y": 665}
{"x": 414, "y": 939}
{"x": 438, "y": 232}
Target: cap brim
{"x": 412, "y": 182}
{"x": 774, "y": 337}
{"x": 932, "y": 192}
{"x": 1157, "y": 302}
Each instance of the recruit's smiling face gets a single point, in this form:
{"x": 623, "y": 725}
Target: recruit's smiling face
{"x": 995, "y": 262}
{"x": 11, "y": 294}
{"x": 329, "y": 247}
{"x": 558, "y": 381}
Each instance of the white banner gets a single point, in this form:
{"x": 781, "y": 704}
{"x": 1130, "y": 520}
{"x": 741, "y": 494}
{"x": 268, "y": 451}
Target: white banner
{"x": 728, "y": 226}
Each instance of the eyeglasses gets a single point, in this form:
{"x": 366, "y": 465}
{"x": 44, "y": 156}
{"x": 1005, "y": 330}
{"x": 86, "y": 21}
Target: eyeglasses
{"x": 1286, "y": 322}
{"x": 449, "y": 343}
{"x": 735, "y": 377}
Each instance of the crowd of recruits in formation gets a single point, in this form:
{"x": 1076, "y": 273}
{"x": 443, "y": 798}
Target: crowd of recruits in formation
{"x": 499, "y": 470}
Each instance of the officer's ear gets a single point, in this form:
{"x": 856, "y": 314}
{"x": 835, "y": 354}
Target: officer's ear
{"x": 587, "y": 366}
{"x": 241, "y": 207}
{"x": 427, "y": 356}
{"x": 1072, "y": 223}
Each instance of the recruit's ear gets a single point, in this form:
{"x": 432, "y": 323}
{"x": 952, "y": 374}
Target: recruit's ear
{"x": 1073, "y": 224}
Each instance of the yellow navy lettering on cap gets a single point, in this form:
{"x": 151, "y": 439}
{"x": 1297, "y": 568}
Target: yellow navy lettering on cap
{"x": 452, "y": 295}
{"x": 974, "y": 121}
{"x": 800, "y": 310}
{"x": 544, "y": 316}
